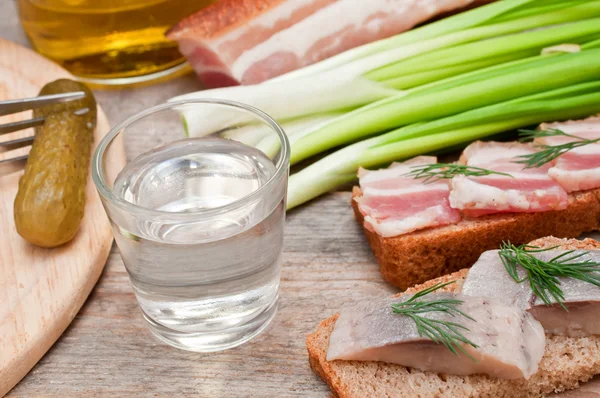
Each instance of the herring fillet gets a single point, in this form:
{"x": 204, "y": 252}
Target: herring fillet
{"x": 249, "y": 41}
{"x": 511, "y": 343}
{"x": 488, "y": 278}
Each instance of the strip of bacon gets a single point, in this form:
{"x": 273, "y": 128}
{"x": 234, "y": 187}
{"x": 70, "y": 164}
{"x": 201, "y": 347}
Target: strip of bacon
{"x": 249, "y": 41}
{"x": 526, "y": 190}
{"x": 578, "y": 169}
{"x": 216, "y": 36}
{"x": 395, "y": 204}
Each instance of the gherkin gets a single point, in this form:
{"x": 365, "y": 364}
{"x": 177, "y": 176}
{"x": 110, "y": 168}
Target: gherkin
{"x": 51, "y": 199}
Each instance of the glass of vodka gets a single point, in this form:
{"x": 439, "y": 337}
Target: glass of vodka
{"x": 198, "y": 213}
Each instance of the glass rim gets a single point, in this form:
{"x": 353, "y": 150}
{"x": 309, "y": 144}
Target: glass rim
{"x": 99, "y": 178}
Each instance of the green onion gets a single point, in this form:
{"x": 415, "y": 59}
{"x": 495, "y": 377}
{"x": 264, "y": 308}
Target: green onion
{"x": 527, "y": 105}
{"x": 419, "y": 78}
{"x": 539, "y": 74}
{"x": 294, "y": 129}
{"x": 339, "y": 93}
{"x": 591, "y": 44}
{"x": 529, "y": 44}
{"x": 261, "y": 136}
{"x": 537, "y": 8}
{"x": 340, "y": 167}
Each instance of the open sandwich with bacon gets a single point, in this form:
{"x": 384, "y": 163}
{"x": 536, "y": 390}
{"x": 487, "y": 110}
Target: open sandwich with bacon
{"x": 424, "y": 219}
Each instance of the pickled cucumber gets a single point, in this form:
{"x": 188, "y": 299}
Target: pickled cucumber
{"x": 51, "y": 198}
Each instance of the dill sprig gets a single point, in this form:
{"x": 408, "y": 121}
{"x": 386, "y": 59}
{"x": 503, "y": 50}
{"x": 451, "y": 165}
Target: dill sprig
{"x": 548, "y": 153}
{"x": 441, "y": 332}
{"x": 438, "y": 171}
{"x": 543, "y": 275}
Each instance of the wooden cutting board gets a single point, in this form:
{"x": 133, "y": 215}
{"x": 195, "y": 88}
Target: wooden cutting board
{"x": 41, "y": 290}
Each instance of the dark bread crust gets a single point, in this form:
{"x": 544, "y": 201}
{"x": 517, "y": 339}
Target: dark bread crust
{"x": 567, "y": 361}
{"x": 413, "y": 258}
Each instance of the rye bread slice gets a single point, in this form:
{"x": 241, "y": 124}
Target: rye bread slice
{"x": 567, "y": 361}
{"x": 413, "y": 258}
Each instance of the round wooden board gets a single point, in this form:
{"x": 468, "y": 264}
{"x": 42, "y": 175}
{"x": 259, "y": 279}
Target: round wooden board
{"x": 41, "y": 290}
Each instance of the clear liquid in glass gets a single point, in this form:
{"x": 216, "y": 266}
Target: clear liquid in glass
{"x": 206, "y": 281}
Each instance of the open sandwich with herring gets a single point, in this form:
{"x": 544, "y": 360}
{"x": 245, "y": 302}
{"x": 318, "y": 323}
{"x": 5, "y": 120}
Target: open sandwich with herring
{"x": 520, "y": 323}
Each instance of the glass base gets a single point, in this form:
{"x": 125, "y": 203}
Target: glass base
{"x": 151, "y": 78}
{"x": 213, "y": 341}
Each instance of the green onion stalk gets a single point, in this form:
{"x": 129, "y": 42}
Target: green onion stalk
{"x": 473, "y": 90}
{"x": 572, "y": 102}
{"x": 494, "y": 51}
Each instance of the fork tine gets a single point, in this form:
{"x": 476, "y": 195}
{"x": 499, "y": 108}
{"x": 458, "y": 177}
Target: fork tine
{"x": 19, "y": 105}
{"x": 18, "y": 143}
{"x": 18, "y": 149}
{"x": 12, "y": 165}
{"x": 15, "y": 154}
{"x": 15, "y": 159}
{"x": 23, "y": 124}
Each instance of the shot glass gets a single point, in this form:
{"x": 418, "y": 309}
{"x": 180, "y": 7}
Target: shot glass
{"x": 198, "y": 214}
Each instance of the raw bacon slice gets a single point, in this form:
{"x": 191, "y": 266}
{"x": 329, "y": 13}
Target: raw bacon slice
{"x": 214, "y": 37}
{"x": 395, "y": 204}
{"x": 578, "y": 169}
{"x": 525, "y": 190}
{"x": 249, "y": 41}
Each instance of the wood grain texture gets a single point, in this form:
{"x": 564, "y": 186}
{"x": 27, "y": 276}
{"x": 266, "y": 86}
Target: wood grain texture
{"x": 108, "y": 351}
{"x": 41, "y": 290}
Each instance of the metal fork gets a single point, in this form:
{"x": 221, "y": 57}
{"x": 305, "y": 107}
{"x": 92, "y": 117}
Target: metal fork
{"x": 11, "y": 150}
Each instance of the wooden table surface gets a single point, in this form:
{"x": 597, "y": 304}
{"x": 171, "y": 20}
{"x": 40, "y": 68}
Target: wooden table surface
{"x": 108, "y": 351}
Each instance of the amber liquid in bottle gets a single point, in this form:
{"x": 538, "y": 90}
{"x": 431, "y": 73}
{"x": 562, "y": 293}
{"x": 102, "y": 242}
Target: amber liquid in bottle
{"x": 105, "y": 40}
